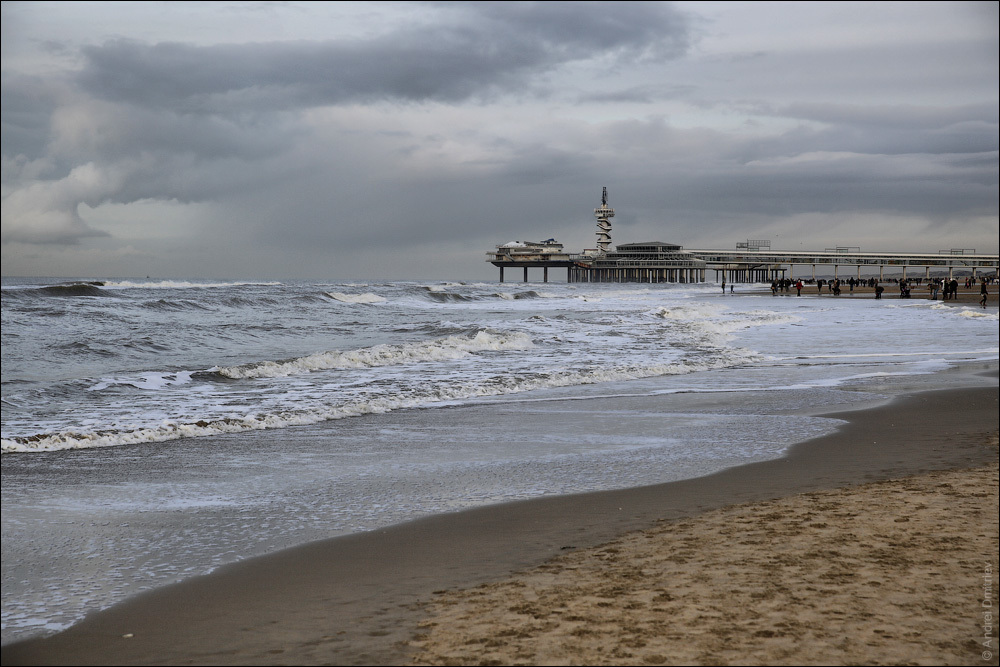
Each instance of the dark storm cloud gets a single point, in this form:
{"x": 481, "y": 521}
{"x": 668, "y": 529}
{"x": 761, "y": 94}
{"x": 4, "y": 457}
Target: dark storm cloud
{"x": 466, "y": 124}
{"x": 189, "y": 123}
{"x": 27, "y": 104}
{"x": 486, "y": 48}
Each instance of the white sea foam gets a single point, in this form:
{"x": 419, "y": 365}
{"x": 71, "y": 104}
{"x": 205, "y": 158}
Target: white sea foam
{"x": 689, "y": 311}
{"x": 147, "y": 381}
{"x": 177, "y": 284}
{"x": 517, "y": 342}
{"x": 434, "y": 394}
{"x": 367, "y": 297}
{"x": 710, "y": 325}
{"x": 448, "y": 347}
{"x": 979, "y": 314}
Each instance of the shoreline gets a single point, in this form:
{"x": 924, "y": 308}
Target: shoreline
{"x": 359, "y": 599}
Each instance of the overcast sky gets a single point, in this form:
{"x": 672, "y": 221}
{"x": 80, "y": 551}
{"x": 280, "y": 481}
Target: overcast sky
{"x": 370, "y": 140}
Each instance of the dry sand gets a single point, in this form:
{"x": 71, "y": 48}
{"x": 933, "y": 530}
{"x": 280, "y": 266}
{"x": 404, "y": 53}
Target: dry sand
{"x": 735, "y": 567}
{"x": 884, "y": 573}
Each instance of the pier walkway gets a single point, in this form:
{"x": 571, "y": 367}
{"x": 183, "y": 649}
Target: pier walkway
{"x": 748, "y": 265}
{"x": 765, "y": 265}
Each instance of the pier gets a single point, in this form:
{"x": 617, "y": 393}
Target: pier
{"x": 753, "y": 261}
{"x": 765, "y": 265}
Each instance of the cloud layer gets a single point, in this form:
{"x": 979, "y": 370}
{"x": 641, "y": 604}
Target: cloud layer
{"x": 368, "y": 140}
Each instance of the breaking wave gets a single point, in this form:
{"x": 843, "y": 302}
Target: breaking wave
{"x": 367, "y": 297}
{"x": 437, "y": 393}
{"x": 78, "y": 289}
{"x": 448, "y": 347}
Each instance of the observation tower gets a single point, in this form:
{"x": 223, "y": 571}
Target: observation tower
{"x": 603, "y": 223}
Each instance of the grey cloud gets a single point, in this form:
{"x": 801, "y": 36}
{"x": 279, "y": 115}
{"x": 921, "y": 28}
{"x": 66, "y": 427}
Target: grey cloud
{"x": 232, "y": 127}
{"x": 489, "y": 47}
{"x": 28, "y": 104}
{"x": 645, "y": 94}
{"x": 878, "y": 130}
{"x": 651, "y": 29}
{"x": 895, "y": 116}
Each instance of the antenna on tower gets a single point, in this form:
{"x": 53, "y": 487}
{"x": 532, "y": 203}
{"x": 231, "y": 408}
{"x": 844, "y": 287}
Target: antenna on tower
{"x": 603, "y": 223}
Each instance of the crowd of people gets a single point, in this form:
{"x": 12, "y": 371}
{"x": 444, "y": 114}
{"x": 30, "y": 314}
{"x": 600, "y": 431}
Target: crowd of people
{"x": 947, "y": 288}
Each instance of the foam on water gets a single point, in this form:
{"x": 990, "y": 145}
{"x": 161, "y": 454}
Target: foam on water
{"x": 367, "y": 297}
{"x": 447, "y": 348}
{"x": 397, "y": 400}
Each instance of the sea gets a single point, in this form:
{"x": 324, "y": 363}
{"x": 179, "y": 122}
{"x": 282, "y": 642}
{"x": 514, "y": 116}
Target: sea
{"x": 155, "y": 430}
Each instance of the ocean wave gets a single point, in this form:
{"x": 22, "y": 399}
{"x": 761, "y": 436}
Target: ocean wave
{"x": 446, "y": 348}
{"x": 76, "y": 289}
{"x": 709, "y": 322}
{"x": 179, "y": 284}
{"x": 978, "y": 314}
{"x": 367, "y": 297}
{"x": 449, "y": 297}
{"x": 147, "y": 381}
{"x": 80, "y": 347}
{"x": 688, "y": 312}
{"x": 176, "y": 306}
{"x": 968, "y": 313}
{"x": 439, "y": 393}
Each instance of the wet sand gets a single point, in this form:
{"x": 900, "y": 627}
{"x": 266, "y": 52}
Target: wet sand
{"x": 886, "y": 566}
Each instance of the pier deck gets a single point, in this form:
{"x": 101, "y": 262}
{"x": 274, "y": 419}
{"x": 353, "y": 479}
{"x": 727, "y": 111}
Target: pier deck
{"x": 742, "y": 266}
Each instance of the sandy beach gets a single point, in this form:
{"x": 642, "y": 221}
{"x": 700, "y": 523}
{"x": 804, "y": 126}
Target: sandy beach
{"x": 870, "y": 545}
{"x": 880, "y": 574}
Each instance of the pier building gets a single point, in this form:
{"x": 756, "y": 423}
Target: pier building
{"x": 751, "y": 261}
{"x": 650, "y": 262}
